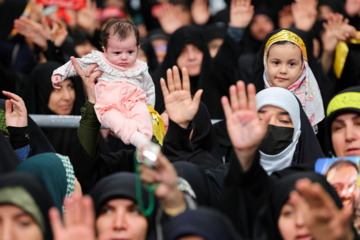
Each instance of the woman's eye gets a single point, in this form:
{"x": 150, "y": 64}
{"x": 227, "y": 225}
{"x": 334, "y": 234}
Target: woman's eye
{"x": 134, "y": 210}
{"x": 70, "y": 86}
{"x": 105, "y": 211}
{"x": 288, "y": 213}
{"x": 24, "y": 221}
{"x": 336, "y": 128}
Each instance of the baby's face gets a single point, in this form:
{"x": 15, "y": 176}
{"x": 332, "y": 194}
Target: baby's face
{"x": 122, "y": 53}
{"x": 284, "y": 64}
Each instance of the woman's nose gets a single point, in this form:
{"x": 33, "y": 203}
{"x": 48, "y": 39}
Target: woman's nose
{"x": 119, "y": 220}
{"x": 66, "y": 94}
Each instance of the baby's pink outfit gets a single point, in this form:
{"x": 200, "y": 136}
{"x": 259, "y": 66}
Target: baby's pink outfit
{"x": 121, "y": 97}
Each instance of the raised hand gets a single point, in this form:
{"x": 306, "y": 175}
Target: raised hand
{"x": 85, "y": 17}
{"x": 286, "y": 18}
{"x": 352, "y": 7}
{"x": 305, "y": 14}
{"x": 164, "y": 174}
{"x": 79, "y": 220}
{"x": 241, "y": 13}
{"x": 179, "y": 105}
{"x": 200, "y": 11}
{"x": 15, "y": 111}
{"x": 170, "y": 19}
{"x": 58, "y": 32}
{"x": 35, "y": 32}
{"x": 336, "y": 29}
{"x": 88, "y": 78}
{"x": 323, "y": 218}
{"x": 245, "y": 129}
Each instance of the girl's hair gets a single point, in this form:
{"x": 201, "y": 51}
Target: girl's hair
{"x": 120, "y": 27}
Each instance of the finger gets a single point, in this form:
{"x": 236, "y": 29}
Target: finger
{"x": 95, "y": 75}
{"x": 19, "y": 105}
{"x": 177, "y": 80}
{"x": 91, "y": 69}
{"x": 77, "y": 67}
{"x": 8, "y": 109}
{"x": 185, "y": 79}
{"x": 197, "y": 98}
{"x": 163, "y": 162}
{"x": 252, "y": 97}
{"x": 13, "y": 96}
{"x": 77, "y": 208}
{"x": 55, "y": 221}
{"x": 233, "y": 98}
{"x": 89, "y": 214}
{"x": 147, "y": 175}
{"x": 164, "y": 88}
{"x": 226, "y": 107}
{"x": 170, "y": 80}
{"x": 88, "y": 4}
{"x": 243, "y": 101}
{"x": 316, "y": 197}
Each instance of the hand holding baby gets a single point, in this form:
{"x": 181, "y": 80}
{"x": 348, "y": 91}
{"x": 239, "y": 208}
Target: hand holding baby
{"x": 56, "y": 80}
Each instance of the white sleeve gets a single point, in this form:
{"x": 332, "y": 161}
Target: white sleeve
{"x": 149, "y": 89}
{"x": 67, "y": 70}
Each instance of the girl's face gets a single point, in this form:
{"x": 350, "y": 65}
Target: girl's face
{"x": 122, "y": 53}
{"x": 15, "y": 223}
{"x": 191, "y": 57}
{"x": 284, "y": 64}
{"x": 292, "y": 224}
{"x": 62, "y": 100}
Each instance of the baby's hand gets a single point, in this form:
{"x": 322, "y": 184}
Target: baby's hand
{"x": 56, "y": 80}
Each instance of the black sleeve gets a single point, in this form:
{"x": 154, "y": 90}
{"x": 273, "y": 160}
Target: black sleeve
{"x": 89, "y": 170}
{"x": 177, "y": 146}
{"x": 243, "y": 194}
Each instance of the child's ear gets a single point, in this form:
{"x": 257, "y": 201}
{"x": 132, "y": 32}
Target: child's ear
{"x": 104, "y": 49}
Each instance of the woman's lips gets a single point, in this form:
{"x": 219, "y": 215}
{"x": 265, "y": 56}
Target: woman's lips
{"x": 353, "y": 152}
{"x": 303, "y": 237}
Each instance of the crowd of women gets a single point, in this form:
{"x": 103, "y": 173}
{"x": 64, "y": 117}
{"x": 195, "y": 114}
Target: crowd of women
{"x": 281, "y": 78}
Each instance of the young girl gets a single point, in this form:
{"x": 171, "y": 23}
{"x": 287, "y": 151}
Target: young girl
{"x": 124, "y": 89}
{"x": 286, "y": 65}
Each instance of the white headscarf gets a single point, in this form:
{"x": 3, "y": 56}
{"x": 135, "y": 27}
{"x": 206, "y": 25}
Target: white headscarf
{"x": 284, "y": 99}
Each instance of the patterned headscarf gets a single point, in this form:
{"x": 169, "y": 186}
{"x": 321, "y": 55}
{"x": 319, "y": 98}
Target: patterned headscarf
{"x": 55, "y": 170}
{"x": 3, "y": 123}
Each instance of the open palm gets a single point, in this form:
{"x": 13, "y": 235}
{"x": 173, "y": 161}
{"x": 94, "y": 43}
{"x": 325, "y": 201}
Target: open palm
{"x": 245, "y": 129}
{"x": 180, "y": 107}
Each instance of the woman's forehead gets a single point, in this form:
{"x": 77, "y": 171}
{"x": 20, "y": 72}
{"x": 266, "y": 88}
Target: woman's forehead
{"x": 273, "y": 108}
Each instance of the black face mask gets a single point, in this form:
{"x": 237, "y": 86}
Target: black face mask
{"x": 276, "y": 139}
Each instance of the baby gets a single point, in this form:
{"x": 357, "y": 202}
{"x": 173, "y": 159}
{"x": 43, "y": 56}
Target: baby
{"x": 286, "y": 65}
{"x": 124, "y": 89}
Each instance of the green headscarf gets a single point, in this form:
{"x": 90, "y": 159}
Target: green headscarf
{"x": 18, "y": 196}
{"x": 55, "y": 170}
